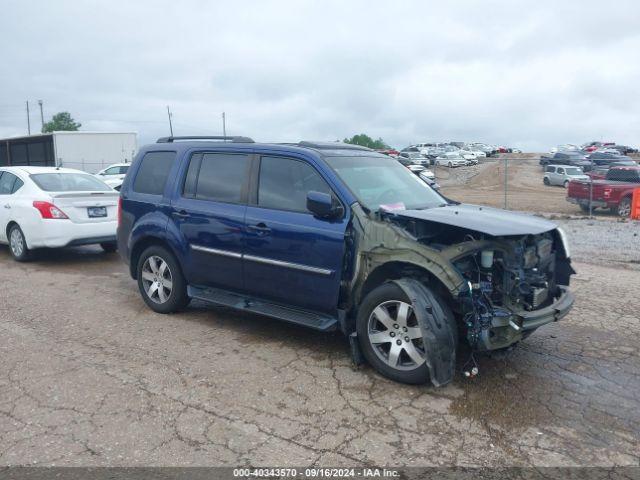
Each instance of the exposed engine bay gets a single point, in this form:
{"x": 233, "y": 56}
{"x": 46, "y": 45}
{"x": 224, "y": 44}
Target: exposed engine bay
{"x": 509, "y": 279}
{"x": 520, "y": 274}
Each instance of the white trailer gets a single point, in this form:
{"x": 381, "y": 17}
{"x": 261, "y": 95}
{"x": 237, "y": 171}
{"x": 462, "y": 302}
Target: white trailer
{"x": 87, "y": 151}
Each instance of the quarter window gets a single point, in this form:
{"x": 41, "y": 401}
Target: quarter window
{"x": 153, "y": 172}
{"x": 284, "y": 184}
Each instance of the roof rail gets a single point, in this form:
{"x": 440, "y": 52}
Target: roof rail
{"x": 332, "y": 146}
{"x": 215, "y": 137}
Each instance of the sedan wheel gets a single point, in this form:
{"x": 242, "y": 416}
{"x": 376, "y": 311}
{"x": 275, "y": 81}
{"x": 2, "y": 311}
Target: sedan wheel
{"x": 395, "y": 335}
{"x": 157, "y": 279}
{"x": 18, "y": 244}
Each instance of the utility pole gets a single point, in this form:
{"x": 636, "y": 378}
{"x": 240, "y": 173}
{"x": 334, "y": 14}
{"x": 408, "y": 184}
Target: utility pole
{"x": 170, "y": 124}
{"x": 28, "y": 119}
{"x": 41, "y": 116}
{"x": 224, "y": 125}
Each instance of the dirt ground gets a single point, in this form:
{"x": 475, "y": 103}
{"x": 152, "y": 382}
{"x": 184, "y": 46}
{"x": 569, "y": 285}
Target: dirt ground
{"x": 90, "y": 376}
{"x": 525, "y": 190}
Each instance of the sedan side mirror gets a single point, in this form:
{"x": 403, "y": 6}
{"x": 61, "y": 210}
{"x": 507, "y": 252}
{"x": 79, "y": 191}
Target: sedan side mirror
{"x": 322, "y": 205}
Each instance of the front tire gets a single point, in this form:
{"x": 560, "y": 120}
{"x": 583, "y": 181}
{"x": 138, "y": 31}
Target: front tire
{"x": 546, "y": 181}
{"x": 18, "y": 244}
{"x": 160, "y": 281}
{"x": 390, "y": 336}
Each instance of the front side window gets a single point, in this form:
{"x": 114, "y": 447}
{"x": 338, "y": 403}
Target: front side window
{"x": 218, "y": 177}
{"x": 153, "y": 172}
{"x": 284, "y": 184}
{"x": 112, "y": 171}
{"x": 69, "y": 182}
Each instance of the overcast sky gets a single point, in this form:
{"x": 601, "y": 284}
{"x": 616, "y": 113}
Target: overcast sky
{"x": 528, "y": 74}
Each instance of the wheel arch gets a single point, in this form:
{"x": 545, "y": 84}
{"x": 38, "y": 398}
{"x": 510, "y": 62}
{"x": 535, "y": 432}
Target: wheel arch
{"x": 395, "y": 270}
{"x": 140, "y": 246}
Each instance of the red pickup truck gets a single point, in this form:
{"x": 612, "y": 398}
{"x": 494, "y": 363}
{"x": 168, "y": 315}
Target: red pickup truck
{"x": 613, "y": 192}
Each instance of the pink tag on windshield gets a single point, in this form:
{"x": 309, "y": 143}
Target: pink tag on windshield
{"x": 392, "y": 207}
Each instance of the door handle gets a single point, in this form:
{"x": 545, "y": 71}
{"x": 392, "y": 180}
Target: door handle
{"x": 181, "y": 214}
{"x": 6, "y": 205}
{"x": 260, "y": 228}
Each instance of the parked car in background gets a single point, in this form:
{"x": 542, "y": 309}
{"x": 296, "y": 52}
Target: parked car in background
{"x": 624, "y": 149}
{"x": 567, "y": 147}
{"x": 334, "y": 236}
{"x": 392, "y": 152}
{"x": 55, "y": 207}
{"x": 575, "y": 159}
{"x": 562, "y": 175}
{"x": 415, "y": 157}
{"x": 607, "y": 158}
{"x": 451, "y": 160}
{"x": 429, "y": 181}
{"x": 613, "y": 192}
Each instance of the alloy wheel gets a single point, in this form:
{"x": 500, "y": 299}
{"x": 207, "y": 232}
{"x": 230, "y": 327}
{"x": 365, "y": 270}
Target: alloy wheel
{"x": 624, "y": 209}
{"x": 156, "y": 279}
{"x": 16, "y": 242}
{"x": 395, "y": 335}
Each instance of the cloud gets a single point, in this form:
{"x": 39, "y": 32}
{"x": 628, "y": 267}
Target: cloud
{"x": 527, "y": 74}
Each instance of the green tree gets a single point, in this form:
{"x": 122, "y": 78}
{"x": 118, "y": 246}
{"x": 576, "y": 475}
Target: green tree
{"x": 61, "y": 121}
{"x": 365, "y": 140}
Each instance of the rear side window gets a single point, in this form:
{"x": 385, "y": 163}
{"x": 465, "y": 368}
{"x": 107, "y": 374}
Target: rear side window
{"x": 6, "y": 183}
{"x": 218, "y": 177}
{"x": 153, "y": 172}
{"x": 284, "y": 184}
{"x": 624, "y": 175}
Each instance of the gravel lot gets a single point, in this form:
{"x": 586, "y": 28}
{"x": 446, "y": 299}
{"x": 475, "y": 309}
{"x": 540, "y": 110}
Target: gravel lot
{"x": 92, "y": 377}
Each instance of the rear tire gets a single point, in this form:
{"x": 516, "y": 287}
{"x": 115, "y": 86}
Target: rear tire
{"x": 584, "y": 208}
{"x": 566, "y": 184}
{"x": 160, "y": 281}
{"x": 18, "y": 244}
{"x": 378, "y": 338}
{"x": 109, "y": 247}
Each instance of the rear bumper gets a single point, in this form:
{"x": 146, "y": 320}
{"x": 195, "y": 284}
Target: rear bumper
{"x": 62, "y": 233}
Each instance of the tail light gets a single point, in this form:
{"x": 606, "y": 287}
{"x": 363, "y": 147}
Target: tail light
{"x": 49, "y": 211}
{"x": 119, "y": 210}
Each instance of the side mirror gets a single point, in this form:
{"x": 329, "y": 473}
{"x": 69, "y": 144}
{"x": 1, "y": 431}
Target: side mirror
{"x": 102, "y": 173}
{"x": 322, "y": 205}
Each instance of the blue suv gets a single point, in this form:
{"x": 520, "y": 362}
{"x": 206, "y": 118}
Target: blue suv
{"x": 336, "y": 236}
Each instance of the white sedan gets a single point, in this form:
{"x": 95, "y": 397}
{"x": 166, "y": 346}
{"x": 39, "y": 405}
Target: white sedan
{"x": 48, "y": 207}
{"x": 451, "y": 161}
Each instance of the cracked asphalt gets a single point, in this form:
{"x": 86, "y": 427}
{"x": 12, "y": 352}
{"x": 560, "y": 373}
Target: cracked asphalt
{"x": 90, "y": 376}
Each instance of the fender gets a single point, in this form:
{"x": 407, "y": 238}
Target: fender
{"x": 437, "y": 326}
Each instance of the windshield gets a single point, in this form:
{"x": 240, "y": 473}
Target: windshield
{"x": 383, "y": 183}
{"x": 573, "y": 171}
{"x": 69, "y": 182}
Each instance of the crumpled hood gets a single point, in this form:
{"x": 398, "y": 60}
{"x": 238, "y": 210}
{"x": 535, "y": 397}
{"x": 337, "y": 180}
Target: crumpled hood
{"x": 491, "y": 221}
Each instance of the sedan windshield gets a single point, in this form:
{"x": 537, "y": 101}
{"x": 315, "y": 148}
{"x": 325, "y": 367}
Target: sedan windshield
{"x": 69, "y": 182}
{"x": 381, "y": 183}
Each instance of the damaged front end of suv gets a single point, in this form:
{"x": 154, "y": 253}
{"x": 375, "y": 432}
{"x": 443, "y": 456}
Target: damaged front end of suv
{"x": 503, "y": 274}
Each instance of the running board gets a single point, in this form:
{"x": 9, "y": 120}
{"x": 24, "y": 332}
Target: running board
{"x": 314, "y": 320}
